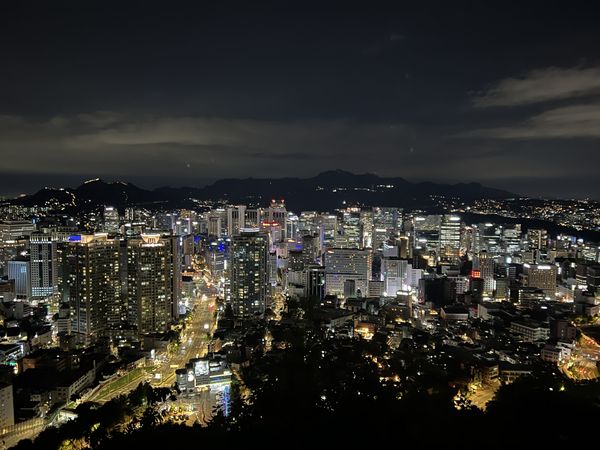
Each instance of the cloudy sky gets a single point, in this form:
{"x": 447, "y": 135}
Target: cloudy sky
{"x": 172, "y": 94}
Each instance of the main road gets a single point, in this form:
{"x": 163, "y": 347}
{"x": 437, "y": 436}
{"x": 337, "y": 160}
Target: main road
{"x": 195, "y": 338}
{"x": 194, "y": 343}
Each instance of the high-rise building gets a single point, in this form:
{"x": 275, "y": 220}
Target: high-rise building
{"x": 350, "y": 288}
{"x": 44, "y": 265}
{"x": 511, "y": 235}
{"x": 540, "y": 276}
{"x": 93, "y": 286}
{"x": 380, "y": 236}
{"x": 216, "y": 220}
{"x": 19, "y": 270}
{"x": 14, "y": 229}
{"x": 253, "y": 218}
{"x": 166, "y": 221}
{"x": 537, "y": 238}
{"x": 342, "y": 264}
{"x": 486, "y": 266}
{"x": 310, "y": 249}
{"x": 351, "y": 232}
{"x": 366, "y": 221}
{"x": 111, "y": 219}
{"x": 450, "y": 237}
{"x": 314, "y": 286}
{"x": 236, "y": 219}
{"x": 593, "y": 278}
{"x": 388, "y": 218}
{"x": 7, "y": 407}
{"x": 307, "y": 223}
{"x": 149, "y": 283}
{"x": 249, "y": 273}
{"x": 277, "y": 214}
{"x": 426, "y": 236}
{"x": 488, "y": 237}
{"x": 216, "y": 256}
{"x": 394, "y": 273}
{"x": 328, "y": 229}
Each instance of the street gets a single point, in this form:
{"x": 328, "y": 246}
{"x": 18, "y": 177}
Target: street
{"x": 194, "y": 339}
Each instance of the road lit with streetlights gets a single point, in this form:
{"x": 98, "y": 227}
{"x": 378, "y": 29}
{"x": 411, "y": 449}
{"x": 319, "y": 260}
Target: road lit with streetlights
{"x": 194, "y": 339}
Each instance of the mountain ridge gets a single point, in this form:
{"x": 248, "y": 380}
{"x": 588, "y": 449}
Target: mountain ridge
{"x": 326, "y": 190}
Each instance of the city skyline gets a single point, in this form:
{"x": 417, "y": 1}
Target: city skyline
{"x": 506, "y": 96}
{"x": 300, "y": 225}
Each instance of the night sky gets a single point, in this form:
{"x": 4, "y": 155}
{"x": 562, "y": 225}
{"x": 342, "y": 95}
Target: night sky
{"x": 173, "y": 94}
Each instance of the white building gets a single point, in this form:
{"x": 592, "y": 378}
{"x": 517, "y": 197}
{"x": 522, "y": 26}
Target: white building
{"x": 343, "y": 264}
{"x": 394, "y": 273}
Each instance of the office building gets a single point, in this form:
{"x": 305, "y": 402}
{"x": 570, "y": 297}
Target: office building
{"x": 236, "y": 219}
{"x": 426, "y": 237}
{"x": 276, "y": 215}
{"x": 342, "y": 264}
{"x": 19, "y": 270}
{"x": 537, "y": 239}
{"x": 329, "y": 229}
{"x": 394, "y": 273}
{"x": 111, "y": 219}
{"x": 314, "y": 286}
{"x": 540, "y": 276}
{"x": 450, "y": 228}
{"x": 11, "y": 230}
{"x": 44, "y": 265}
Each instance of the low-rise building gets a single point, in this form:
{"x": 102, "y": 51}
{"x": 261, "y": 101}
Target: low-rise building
{"x": 556, "y": 353}
{"x": 454, "y": 313}
{"x": 529, "y": 330}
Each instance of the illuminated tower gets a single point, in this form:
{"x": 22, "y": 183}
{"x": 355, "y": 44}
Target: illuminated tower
{"x": 93, "y": 285}
{"x": 44, "y": 265}
{"x": 249, "y": 273}
{"x": 149, "y": 283}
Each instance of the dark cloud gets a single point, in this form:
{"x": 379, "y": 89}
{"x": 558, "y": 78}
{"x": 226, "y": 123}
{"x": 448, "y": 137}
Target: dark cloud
{"x": 542, "y": 85}
{"x": 182, "y": 94}
{"x": 566, "y": 122}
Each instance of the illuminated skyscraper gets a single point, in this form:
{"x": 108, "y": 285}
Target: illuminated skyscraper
{"x": 314, "y": 286}
{"x": 216, "y": 222}
{"x": 94, "y": 285}
{"x": 44, "y": 265}
{"x": 111, "y": 219}
{"x": 149, "y": 283}
{"x": 450, "y": 237}
{"x": 19, "y": 270}
{"x": 328, "y": 229}
{"x": 394, "y": 272}
{"x": 342, "y": 264}
{"x": 511, "y": 236}
{"x": 426, "y": 236}
{"x": 537, "y": 238}
{"x": 236, "y": 216}
{"x": 366, "y": 221}
{"x": 249, "y": 273}
{"x": 540, "y": 276}
{"x": 277, "y": 214}
{"x": 388, "y": 218}
{"x": 486, "y": 266}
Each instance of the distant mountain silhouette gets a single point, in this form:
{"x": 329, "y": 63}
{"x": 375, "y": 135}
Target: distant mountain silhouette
{"x": 326, "y": 191}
